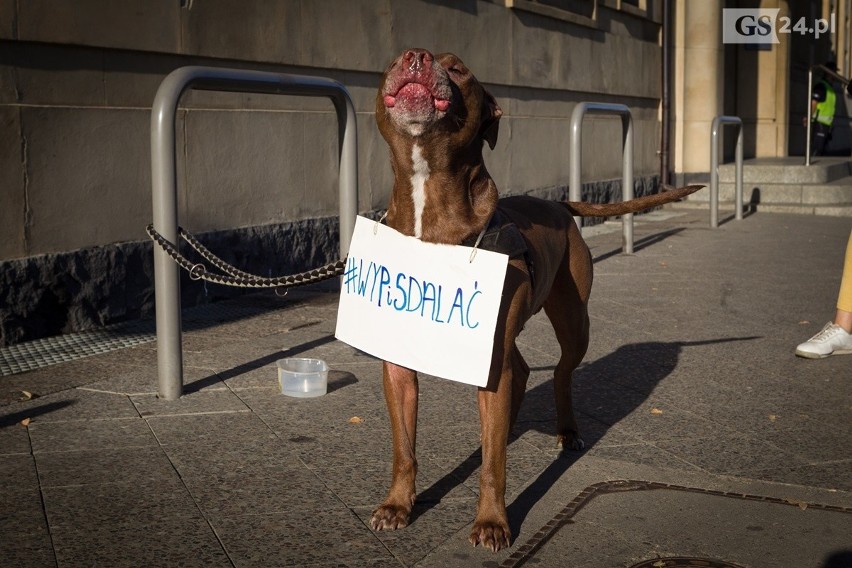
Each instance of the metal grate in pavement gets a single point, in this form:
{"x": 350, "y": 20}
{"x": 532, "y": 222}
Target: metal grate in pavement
{"x": 527, "y": 551}
{"x": 40, "y": 353}
{"x": 685, "y": 562}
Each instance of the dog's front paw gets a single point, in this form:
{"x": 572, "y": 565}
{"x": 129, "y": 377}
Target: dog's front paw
{"x": 491, "y": 535}
{"x": 389, "y": 517}
{"x": 570, "y": 441}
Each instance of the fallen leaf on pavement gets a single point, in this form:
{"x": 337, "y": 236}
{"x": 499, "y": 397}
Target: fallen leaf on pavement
{"x": 355, "y": 420}
{"x": 656, "y": 411}
{"x": 800, "y": 504}
{"x": 26, "y": 422}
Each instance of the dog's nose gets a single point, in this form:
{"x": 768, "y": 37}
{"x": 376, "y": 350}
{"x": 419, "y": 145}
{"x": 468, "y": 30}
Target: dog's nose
{"x": 417, "y": 59}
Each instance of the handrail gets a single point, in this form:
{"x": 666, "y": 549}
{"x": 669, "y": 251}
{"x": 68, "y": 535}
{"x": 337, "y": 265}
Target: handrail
{"x": 714, "y": 167}
{"x": 808, "y": 118}
{"x": 164, "y": 184}
{"x": 575, "y": 190}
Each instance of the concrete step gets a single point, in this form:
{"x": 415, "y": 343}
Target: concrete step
{"x": 838, "y": 192}
{"x": 789, "y": 170}
{"x": 826, "y": 210}
{"x": 785, "y": 185}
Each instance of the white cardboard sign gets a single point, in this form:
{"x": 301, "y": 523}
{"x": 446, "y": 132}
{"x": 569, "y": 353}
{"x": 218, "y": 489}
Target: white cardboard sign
{"x": 423, "y": 306}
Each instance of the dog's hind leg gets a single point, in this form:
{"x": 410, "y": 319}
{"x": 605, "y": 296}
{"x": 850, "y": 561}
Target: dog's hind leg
{"x": 566, "y": 307}
{"x": 572, "y": 331}
{"x": 520, "y": 375}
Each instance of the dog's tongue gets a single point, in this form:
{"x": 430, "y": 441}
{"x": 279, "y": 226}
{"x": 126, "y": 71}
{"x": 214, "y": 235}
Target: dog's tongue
{"x": 415, "y": 97}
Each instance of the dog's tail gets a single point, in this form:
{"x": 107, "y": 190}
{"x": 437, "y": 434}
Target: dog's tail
{"x": 669, "y": 194}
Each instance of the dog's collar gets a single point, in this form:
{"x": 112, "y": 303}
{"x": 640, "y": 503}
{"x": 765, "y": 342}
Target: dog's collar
{"x": 499, "y": 235}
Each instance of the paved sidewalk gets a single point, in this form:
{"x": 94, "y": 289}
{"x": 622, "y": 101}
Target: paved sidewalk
{"x": 706, "y": 437}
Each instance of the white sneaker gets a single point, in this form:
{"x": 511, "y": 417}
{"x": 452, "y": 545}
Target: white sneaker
{"x": 832, "y": 340}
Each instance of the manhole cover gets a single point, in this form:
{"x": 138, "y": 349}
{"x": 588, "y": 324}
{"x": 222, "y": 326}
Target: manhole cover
{"x": 683, "y": 562}
{"x": 665, "y": 502}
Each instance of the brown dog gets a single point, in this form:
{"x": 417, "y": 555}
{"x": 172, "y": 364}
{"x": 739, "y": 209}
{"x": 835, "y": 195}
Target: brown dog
{"x": 435, "y": 116}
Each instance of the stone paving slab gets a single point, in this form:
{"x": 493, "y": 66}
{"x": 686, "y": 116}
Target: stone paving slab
{"x": 690, "y": 380}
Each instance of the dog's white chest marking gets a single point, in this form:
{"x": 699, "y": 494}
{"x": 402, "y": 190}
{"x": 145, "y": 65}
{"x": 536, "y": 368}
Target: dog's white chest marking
{"x": 418, "y": 187}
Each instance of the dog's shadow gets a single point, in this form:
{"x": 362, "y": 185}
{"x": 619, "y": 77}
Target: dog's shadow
{"x": 605, "y": 391}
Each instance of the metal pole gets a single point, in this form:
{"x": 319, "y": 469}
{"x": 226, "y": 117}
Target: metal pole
{"x": 575, "y": 192}
{"x": 164, "y": 184}
{"x": 627, "y": 180}
{"x": 575, "y": 160}
{"x": 166, "y": 274}
{"x": 714, "y": 173}
{"x": 718, "y": 122}
{"x": 348, "y": 168}
{"x": 739, "y": 172}
{"x": 666, "y": 94}
{"x": 808, "y": 118}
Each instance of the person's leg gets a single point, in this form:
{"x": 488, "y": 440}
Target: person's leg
{"x": 836, "y": 337}
{"x": 819, "y": 138}
{"x": 843, "y": 317}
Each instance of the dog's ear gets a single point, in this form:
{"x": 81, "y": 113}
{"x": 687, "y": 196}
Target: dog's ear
{"x": 490, "y": 120}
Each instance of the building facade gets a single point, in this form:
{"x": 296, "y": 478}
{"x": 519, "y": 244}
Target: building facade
{"x": 257, "y": 174}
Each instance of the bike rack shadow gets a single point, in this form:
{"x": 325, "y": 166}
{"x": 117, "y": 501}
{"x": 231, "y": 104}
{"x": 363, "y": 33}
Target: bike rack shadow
{"x": 16, "y": 417}
{"x": 642, "y": 243}
{"x": 749, "y": 208}
{"x": 337, "y": 379}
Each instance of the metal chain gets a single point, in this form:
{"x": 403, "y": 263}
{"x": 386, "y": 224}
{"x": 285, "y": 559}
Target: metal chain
{"x": 234, "y": 276}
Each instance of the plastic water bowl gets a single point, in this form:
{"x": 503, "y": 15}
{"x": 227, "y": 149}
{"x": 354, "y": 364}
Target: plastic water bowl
{"x": 302, "y": 378}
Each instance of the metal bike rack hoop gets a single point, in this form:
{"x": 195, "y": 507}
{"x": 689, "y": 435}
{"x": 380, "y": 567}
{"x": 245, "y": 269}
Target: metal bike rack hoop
{"x": 718, "y": 122}
{"x": 575, "y": 189}
{"x": 164, "y": 184}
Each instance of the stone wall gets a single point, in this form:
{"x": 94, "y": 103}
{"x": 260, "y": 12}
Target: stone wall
{"x": 57, "y": 293}
{"x": 77, "y": 79}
